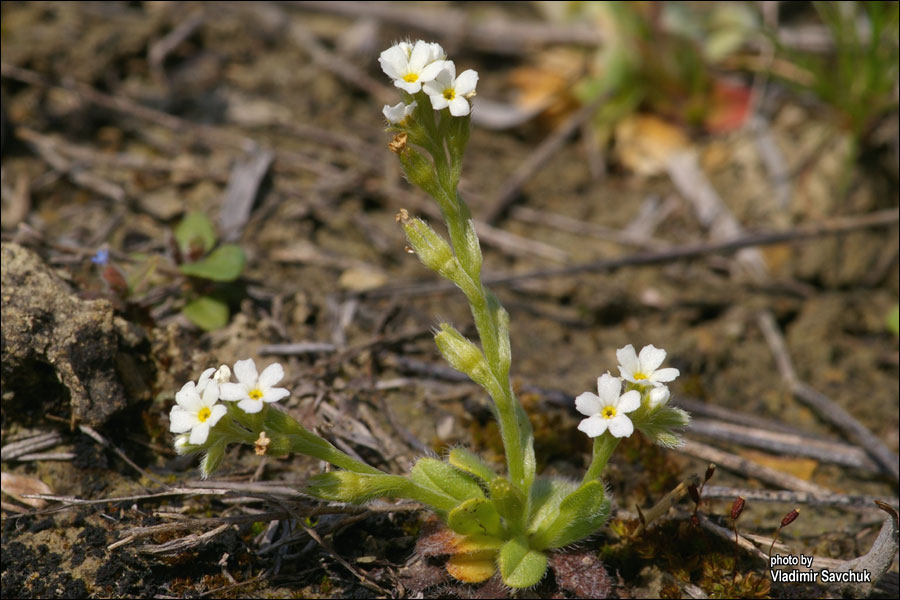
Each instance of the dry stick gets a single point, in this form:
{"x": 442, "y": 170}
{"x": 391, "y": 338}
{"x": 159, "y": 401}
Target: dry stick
{"x": 784, "y": 443}
{"x": 243, "y": 186}
{"x": 666, "y": 502}
{"x": 579, "y": 227}
{"x": 41, "y": 441}
{"x": 835, "y": 226}
{"x": 748, "y": 468}
{"x": 823, "y": 406}
{"x": 539, "y": 157}
{"x": 92, "y": 433}
{"x": 792, "y": 497}
{"x": 878, "y": 559}
{"x": 494, "y": 34}
{"x": 212, "y": 136}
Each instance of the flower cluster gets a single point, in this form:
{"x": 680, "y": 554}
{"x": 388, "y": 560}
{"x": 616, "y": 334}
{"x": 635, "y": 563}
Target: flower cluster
{"x": 423, "y": 66}
{"x": 608, "y": 409}
{"x": 197, "y": 408}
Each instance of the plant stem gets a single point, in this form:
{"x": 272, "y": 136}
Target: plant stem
{"x": 603, "y": 449}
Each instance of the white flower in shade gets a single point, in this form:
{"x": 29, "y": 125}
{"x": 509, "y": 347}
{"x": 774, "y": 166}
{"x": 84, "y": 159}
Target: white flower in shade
{"x": 252, "y": 389}
{"x": 412, "y": 65}
{"x": 449, "y": 90}
{"x": 195, "y": 411}
{"x": 606, "y": 409}
{"x": 644, "y": 368}
{"x": 659, "y": 396}
{"x": 398, "y": 113}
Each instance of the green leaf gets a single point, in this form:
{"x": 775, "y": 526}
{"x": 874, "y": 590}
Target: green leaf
{"x": 893, "y": 320}
{"x": 225, "y": 263}
{"x": 509, "y": 501}
{"x": 471, "y": 463}
{"x": 207, "y": 312}
{"x": 441, "y": 477}
{"x": 521, "y": 566}
{"x": 195, "y": 229}
{"x": 580, "y": 514}
{"x": 475, "y": 516}
{"x": 347, "y": 486}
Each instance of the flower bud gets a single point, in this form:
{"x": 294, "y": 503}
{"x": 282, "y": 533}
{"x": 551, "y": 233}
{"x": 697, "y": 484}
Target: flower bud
{"x": 463, "y": 355}
{"x": 790, "y": 517}
{"x": 737, "y": 508}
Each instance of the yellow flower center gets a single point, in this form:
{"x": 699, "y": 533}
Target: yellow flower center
{"x": 204, "y": 414}
{"x": 450, "y": 93}
{"x": 608, "y": 412}
{"x": 255, "y": 394}
{"x": 411, "y": 78}
{"x": 640, "y": 376}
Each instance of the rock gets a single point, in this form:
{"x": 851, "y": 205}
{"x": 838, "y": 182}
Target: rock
{"x": 59, "y": 349}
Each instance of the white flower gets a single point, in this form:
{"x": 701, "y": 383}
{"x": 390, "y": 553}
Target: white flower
{"x": 449, "y": 90}
{"x": 195, "y": 412}
{"x": 606, "y": 409}
{"x": 659, "y": 396}
{"x": 411, "y": 66}
{"x": 252, "y": 389}
{"x": 399, "y": 112}
{"x": 644, "y": 369}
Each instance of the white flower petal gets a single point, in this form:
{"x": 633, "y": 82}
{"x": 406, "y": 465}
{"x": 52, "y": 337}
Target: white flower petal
{"x": 459, "y": 107}
{"x": 394, "y": 61}
{"x": 270, "y": 376}
{"x": 438, "y": 102}
{"x": 199, "y": 433}
{"x": 275, "y": 394}
{"x": 204, "y": 378}
{"x": 218, "y": 411}
{"x": 181, "y": 420}
{"x": 408, "y": 87}
{"x": 431, "y": 71}
{"x": 395, "y": 113}
{"x": 250, "y": 406}
{"x": 608, "y": 389}
{"x": 232, "y": 391}
{"x": 245, "y": 371}
{"x": 593, "y": 426}
{"x": 628, "y": 402}
{"x": 466, "y": 82}
{"x": 210, "y": 394}
{"x": 588, "y": 404}
{"x": 621, "y": 426}
{"x": 421, "y": 56}
{"x": 651, "y": 357}
{"x": 223, "y": 374}
{"x": 668, "y": 374}
{"x": 628, "y": 360}
{"x": 189, "y": 399}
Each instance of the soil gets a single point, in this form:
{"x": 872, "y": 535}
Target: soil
{"x": 321, "y": 233}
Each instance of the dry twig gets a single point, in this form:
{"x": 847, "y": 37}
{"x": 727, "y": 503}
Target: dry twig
{"x": 822, "y": 404}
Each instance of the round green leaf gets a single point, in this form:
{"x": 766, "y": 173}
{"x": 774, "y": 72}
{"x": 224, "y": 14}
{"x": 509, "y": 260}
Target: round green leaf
{"x": 225, "y": 263}
{"x": 195, "y": 228}
{"x": 207, "y": 313}
{"x": 520, "y": 566}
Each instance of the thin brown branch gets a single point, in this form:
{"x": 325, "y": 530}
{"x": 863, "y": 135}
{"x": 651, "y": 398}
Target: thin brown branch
{"x": 748, "y": 468}
{"x": 794, "y": 497}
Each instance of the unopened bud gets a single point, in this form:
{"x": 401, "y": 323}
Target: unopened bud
{"x": 790, "y": 517}
{"x": 737, "y": 508}
{"x": 694, "y": 493}
{"x": 223, "y": 375}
